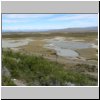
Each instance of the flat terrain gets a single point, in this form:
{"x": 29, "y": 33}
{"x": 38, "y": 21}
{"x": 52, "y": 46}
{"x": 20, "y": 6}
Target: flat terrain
{"x": 86, "y": 63}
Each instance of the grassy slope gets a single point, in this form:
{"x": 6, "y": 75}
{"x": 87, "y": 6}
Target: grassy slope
{"x": 39, "y": 71}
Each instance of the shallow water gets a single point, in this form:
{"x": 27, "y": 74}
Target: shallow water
{"x": 67, "y": 52}
{"x": 62, "y": 52}
{"x": 70, "y": 44}
{"x": 62, "y": 47}
{"x": 66, "y": 48}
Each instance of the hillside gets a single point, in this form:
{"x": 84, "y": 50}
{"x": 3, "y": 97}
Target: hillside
{"x": 36, "y": 70}
{"x": 65, "y": 30}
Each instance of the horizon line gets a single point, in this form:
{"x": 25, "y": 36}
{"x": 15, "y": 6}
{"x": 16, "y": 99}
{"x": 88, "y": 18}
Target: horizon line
{"x": 44, "y": 30}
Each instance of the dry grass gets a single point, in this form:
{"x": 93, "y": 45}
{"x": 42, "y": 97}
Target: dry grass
{"x": 36, "y": 47}
{"x": 89, "y": 54}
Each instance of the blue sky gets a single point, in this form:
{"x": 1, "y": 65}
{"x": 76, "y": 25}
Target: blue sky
{"x": 29, "y": 22}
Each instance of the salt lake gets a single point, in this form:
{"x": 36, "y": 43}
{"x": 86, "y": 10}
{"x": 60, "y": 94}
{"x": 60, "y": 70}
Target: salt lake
{"x": 66, "y": 48}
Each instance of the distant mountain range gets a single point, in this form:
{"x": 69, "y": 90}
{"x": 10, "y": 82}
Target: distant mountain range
{"x": 85, "y": 29}
{"x": 65, "y": 30}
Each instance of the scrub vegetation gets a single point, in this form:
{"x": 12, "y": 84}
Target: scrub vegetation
{"x": 37, "y": 71}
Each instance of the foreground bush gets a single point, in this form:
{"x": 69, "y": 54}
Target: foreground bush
{"x": 6, "y": 81}
{"x": 35, "y": 70}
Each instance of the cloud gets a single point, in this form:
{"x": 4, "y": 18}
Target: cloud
{"x": 18, "y": 27}
{"x": 21, "y": 16}
{"x": 11, "y": 21}
{"x": 73, "y": 17}
{"x": 79, "y": 23}
{"x": 14, "y": 18}
{"x": 31, "y": 27}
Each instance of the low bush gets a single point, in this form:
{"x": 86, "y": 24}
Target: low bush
{"x": 39, "y": 71}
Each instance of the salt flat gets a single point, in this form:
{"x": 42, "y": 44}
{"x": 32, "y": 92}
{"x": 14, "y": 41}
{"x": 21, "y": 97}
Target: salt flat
{"x": 9, "y": 43}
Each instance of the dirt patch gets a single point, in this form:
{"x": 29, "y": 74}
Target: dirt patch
{"x": 89, "y": 53}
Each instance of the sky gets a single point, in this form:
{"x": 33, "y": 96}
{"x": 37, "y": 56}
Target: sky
{"x": 39, "y": 22}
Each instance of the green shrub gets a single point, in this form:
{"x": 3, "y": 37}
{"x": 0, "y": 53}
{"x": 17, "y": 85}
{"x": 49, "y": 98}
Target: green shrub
{"x": 6, "y": 81}
{"x": 39, "y": 71}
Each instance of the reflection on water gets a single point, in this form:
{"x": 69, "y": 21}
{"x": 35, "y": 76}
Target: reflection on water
{"x": 66, "y": 48}
{"x": 67, "y": 52}
{"x": 69, "y": 44}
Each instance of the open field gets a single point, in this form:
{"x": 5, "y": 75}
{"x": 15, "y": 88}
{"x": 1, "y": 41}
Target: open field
{"x": 89, "y": 54}
{"x": 39, "y": 65}
{"x": 86, "y": 35}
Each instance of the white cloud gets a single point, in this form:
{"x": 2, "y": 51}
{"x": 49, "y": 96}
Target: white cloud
{"x": 11, "y": 21}
{"x": 14, "y": 18}
{"x": 79, "y": 23}
{"x": 20, "y": 16}
{"x": 19, "y": 27}
{"x": 74, "y": 17}
{"x": 29, "y": 27}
